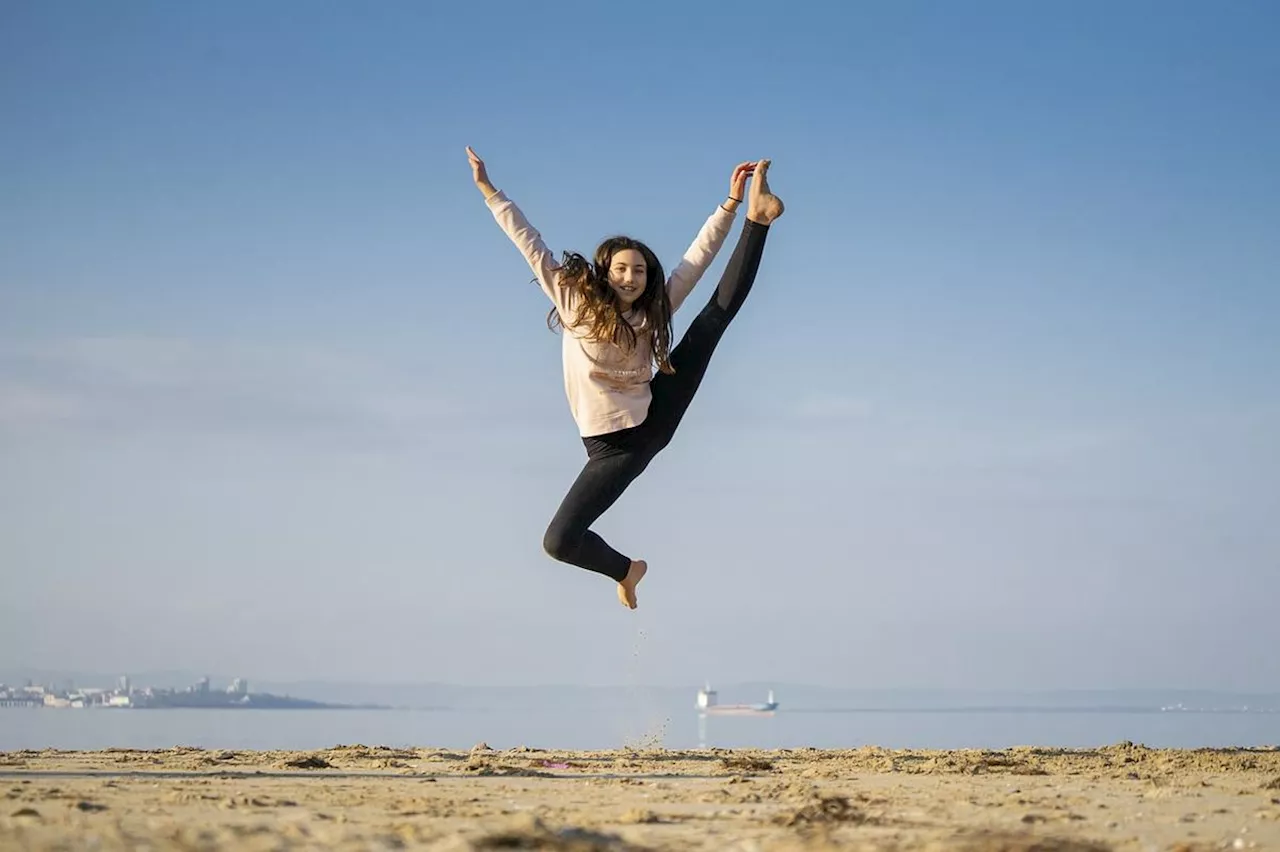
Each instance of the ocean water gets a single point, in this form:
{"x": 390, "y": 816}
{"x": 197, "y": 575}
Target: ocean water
{"x": 655, "y": 724}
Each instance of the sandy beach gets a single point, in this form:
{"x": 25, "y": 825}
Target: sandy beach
{"x": 1121, "y": 797}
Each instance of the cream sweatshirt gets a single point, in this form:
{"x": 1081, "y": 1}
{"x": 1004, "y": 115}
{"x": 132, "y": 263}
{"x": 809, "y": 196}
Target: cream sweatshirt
{"x": 607, "y": 386}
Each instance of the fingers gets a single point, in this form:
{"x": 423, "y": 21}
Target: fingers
{"x": 741, "y": 172}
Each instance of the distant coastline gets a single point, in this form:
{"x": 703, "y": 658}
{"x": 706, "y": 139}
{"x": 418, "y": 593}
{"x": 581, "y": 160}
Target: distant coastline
{"x": 184, "y": 689}
{"x": 250, "y": 701}
{"x": 199, "y": 696}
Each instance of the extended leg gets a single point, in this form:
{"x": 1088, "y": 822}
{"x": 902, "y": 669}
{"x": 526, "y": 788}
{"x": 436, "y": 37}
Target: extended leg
{"x": 672, "y": 393}
{"x": 763, "y": 207}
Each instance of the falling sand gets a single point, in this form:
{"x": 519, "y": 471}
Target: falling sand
{"x": 1122, "y": 797}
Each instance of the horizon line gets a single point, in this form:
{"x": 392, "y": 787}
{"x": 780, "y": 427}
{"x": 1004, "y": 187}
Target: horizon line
{"x": 750, "y": 682}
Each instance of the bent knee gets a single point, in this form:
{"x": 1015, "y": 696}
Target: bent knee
{"x": 560, "y": 543}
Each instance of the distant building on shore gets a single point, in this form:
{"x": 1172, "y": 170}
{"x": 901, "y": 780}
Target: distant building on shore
{"x": 125, "y": 696}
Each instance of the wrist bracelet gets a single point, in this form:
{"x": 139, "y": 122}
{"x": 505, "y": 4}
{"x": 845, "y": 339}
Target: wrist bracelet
{"x": 739, "y": 200}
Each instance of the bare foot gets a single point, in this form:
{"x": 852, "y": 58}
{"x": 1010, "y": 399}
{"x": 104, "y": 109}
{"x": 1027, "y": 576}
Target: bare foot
{"x": 762, "y": 205}
{"x": 627, "y": 588}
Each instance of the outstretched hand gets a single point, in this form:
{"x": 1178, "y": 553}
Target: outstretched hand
{"x": 738, "y": 182}
{"x": 479, "y": 173}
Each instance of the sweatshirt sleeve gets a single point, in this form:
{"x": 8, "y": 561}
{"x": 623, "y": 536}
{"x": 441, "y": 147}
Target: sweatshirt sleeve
{"x": 698, "y": 256}
{"x": 527, "y": 238}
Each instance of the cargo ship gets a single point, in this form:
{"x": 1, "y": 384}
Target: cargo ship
{"x": 708, "y": 705}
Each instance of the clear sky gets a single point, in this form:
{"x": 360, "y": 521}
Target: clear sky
{"x": 277, "y": 397}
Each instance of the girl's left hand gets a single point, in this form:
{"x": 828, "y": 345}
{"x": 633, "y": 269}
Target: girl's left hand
{"x": 738, "y": 183}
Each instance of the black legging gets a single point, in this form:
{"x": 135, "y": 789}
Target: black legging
{"x": 615, "y": 459}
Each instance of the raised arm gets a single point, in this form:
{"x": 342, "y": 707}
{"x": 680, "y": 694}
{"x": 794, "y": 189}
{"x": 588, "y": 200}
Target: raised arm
{"x": 526, "y": 238}
{"x": 710, "y": 239}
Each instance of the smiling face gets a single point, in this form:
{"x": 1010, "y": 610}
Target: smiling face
{"x": 624, "y": 296}
{"x": 628, "y": 273}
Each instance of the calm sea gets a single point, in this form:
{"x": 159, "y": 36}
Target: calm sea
{"x": 651, "y": 725}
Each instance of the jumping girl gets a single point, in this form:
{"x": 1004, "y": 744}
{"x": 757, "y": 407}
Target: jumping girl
{"x": 616, "y": 311}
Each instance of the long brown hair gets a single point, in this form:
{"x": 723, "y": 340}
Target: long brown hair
{"x": 597, "y": 306}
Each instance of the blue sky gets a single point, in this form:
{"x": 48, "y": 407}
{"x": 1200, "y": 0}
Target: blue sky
{"x": 277, "y": 397}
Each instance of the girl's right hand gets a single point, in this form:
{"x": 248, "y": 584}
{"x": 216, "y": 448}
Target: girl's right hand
{"x": 479, "y": 173}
